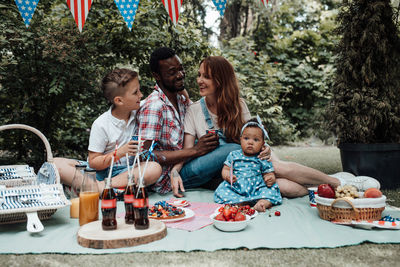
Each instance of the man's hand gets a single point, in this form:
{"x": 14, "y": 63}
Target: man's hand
{"x": 265, "y": 153}
{"x": 176, "y": 183}
{"x": 269, "y": 178}
{"x": 206, "y": 143}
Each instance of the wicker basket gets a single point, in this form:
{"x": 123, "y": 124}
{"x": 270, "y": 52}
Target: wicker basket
{"x": 44, "y": 199}
{"x": 346, "y": 210}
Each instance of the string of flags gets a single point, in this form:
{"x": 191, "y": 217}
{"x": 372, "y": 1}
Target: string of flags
{"x": 127, "y": 8}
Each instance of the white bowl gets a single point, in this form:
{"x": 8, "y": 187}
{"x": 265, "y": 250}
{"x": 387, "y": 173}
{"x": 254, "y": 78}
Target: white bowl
{"x": 230, "y": 226}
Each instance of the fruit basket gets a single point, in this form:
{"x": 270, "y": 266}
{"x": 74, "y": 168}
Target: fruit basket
{"x": 31, "y": 201}
{"x": 346, "y": 209}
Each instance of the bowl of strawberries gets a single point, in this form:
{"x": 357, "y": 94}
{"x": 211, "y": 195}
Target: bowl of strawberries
{"x": 230, "y": 219}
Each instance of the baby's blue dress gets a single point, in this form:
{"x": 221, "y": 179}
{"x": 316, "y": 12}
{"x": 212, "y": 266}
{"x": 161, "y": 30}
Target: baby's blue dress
{"x": 250, "y": 185}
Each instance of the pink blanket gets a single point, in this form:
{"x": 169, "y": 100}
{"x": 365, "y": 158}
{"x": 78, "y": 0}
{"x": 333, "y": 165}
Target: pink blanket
{"x": 201, "y": 219}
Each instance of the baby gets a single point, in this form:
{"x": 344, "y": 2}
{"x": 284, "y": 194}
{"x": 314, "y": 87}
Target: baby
{"x": 247, "y": 179}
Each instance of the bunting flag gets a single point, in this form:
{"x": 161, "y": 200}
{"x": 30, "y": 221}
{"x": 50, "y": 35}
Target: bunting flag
{"x": 26, "y": 8}
{"x": 220, "y": 5}
{"x": 80, "y": 10}
{"x": 173, "y": 8}
{"x": 265, "y": 2}
{"x": 128, "y": 8}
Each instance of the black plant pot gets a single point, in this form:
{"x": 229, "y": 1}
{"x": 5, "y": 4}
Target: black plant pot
{"x": 381, "y": 161}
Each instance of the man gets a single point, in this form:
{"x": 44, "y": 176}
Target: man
{"x": 161, "y": 118}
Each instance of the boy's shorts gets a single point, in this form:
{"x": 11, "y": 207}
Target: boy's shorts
{"x": 101, "y": 175}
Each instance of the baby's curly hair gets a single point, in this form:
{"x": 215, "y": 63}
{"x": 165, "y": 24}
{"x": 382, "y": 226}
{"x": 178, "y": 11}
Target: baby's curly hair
{"x": 114, "y": 82}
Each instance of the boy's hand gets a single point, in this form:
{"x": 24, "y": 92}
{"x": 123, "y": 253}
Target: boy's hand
{"x": 269, "y": 178}
{"x": 265, "y": 153}
{"x": 131, "y": 148}
{"x": 176, "y": 183}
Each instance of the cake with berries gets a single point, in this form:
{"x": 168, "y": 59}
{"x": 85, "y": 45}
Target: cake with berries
{"x": 164, "y": 211}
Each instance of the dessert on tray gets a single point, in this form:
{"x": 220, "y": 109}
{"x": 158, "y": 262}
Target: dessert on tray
{"x": 164, "y": 211}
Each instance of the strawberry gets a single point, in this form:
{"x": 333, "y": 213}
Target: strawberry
{"x": 233, "y": 210}
{"x": 220, "y": 217}
{"x": 227, "y": 214}
{"x": 240, "y": 217}
{"x": 221, "y": 209}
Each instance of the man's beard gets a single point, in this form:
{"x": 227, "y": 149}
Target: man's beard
{"x": 173, "y": 89}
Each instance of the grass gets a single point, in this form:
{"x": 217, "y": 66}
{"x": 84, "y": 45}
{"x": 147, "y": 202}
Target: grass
{"x": 324, "y": 158}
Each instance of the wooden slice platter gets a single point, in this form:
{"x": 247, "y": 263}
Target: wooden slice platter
{"x": 91, "y": 235}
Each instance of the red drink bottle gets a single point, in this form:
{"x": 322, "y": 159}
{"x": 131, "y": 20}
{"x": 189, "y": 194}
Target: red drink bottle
{"x": 109, "y": 207}
{"x": 128, "y": 199}
{"x": 141, "y": 207}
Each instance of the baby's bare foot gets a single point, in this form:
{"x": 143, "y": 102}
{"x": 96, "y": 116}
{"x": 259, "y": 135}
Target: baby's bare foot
{"x": 262, "y": 205}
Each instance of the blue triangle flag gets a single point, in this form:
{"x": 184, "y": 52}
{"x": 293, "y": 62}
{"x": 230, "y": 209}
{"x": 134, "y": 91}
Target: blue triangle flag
{"x": 26, "y": 8}
{"x": 128, "y": 8}
{"x": 220, "y": 5}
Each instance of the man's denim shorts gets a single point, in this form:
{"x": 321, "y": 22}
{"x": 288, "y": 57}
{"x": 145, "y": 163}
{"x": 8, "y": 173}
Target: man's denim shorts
{"x": 101, "y": 175}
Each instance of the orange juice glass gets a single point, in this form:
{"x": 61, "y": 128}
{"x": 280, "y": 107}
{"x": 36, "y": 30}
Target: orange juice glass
{"x": 88, "y": 207}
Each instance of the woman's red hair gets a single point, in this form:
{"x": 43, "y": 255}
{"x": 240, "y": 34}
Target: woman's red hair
{"x": 229, "y": 109}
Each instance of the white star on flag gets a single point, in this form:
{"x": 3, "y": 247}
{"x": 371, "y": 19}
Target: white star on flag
{"x": 173, "y": 8}
{"x": 80, "y": 10}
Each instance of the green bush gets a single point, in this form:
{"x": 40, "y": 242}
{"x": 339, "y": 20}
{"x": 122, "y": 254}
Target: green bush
{"x": 365, "y": 104}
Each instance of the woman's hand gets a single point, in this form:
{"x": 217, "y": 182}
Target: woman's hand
{"x": 265, "y": 153}
{"x": 176, "y": 183}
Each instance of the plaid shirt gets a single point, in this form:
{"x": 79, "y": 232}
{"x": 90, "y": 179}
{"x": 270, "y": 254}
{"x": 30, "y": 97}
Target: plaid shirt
{"x": 158, "y": 120}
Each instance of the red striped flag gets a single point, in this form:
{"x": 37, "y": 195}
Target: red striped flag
{"x": 173, "y": 8}
{"x": 265, "y": 2}
{"x": 79, "y": 10}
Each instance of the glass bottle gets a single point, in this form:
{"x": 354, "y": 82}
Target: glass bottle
{"x": 76, "y": 187}
{"x": 89, "y": 198}
{"x": 141, "y": 207}
{"x": 128, "y": 200}
{"x": 108, "y": 206}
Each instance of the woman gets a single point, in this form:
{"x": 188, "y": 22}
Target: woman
{"x": 221, "y": 108}
{"x": 220, "y": 93}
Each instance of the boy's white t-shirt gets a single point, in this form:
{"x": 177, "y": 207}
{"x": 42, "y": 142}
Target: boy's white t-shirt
{"x": 107, "y": 131}
{"x": 195, "y": 122}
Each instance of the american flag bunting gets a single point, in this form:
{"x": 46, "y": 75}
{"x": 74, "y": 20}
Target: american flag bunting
{"x": 265, "y": 2}
{"x": 80, "y": 10}
{"x": 26, "y": 8}
{"x": 128, "y": 9}
{"x": 173, "y": 8}
{"x": 220, "y": 5}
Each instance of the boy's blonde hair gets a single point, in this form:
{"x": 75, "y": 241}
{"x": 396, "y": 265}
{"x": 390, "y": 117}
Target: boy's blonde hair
{"x": 114, "y": 82}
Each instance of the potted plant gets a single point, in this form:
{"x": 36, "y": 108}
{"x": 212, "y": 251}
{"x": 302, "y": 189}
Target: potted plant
{"x": 365, "y": 106}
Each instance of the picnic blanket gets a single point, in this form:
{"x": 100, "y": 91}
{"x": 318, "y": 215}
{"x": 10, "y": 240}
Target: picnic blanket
{"x": 299, "y": 226}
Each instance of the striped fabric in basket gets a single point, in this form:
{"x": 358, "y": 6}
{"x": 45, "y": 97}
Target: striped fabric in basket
{"x": 32, "y": 198}
{"x": 17, "y": 175}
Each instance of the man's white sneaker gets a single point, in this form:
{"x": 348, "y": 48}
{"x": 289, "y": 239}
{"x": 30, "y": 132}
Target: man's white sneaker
{"x": 362, "y": 182}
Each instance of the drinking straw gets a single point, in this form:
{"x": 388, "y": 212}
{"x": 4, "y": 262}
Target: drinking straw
{"x": 147, "y": 160}
{"x": 127, "y": 163}
{"x": 111, "y": 167}
{"x": 231, "y": 173}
